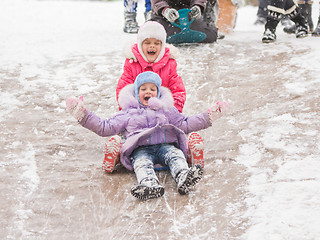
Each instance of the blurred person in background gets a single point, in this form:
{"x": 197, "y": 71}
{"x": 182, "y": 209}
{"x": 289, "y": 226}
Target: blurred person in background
{"x": 130, "y": 15}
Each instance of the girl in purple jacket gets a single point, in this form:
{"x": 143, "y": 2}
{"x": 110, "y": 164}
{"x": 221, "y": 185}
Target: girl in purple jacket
{"x": 155, "y": 133}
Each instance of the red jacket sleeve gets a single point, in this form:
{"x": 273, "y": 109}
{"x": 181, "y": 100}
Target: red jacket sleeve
{"x": 177, "y": 87}
{"x": 125, "y": 79}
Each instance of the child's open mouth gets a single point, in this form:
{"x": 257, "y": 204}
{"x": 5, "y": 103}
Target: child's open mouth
{"x": 147, "y": 98}
{"x": 151, "y": 52}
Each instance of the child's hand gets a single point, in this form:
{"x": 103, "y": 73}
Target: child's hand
{"x": 218, "y": 110}
{"x": 154, "y": 103}
{"x": 76, "y": 107}
{"x": 195, "y": 12}
{"x": 170, "y": 14}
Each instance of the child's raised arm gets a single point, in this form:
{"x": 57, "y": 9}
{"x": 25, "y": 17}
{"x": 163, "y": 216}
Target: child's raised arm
{"x": 218, "y": 110}
{"x": 102, "y": 127}
{"x": 200, "y": 121}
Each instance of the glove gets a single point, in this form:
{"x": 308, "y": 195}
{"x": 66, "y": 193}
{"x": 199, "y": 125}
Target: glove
{"x": 195, "y": 12}
{"x": 155, "y": 103}
{"x": 76, "y": 107}
{"x": 170, "y": 14}
{"x": 218, "y": 110}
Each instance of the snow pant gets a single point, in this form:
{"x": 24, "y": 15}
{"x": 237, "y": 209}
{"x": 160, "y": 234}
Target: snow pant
{"x": 197, "y": 25}
{"x": 144, "y": 158}
{"x": 262, "y": 9}
{"x": 131, "y": 5}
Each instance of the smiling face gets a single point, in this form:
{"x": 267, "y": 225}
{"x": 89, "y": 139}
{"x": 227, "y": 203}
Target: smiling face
{"x": 151, "y": 48}
{"x": 146, "y": 91}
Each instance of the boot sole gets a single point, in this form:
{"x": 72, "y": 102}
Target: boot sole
{"x": 111, "y": 154}
{"x": 192, "y": 179}
{"x": 303, "y": 35}
{"x": 195, "y": 149}
{"x": 268, "y": 40}
{"x": 130, "y": 31}
{"x": 145, "y": 193}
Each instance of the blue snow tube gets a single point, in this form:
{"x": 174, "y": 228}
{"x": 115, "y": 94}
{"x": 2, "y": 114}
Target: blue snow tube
{"x": 186, "y": 35}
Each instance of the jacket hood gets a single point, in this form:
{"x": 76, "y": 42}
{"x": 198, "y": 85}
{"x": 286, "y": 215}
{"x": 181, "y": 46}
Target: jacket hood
{"x": 127, "y": 99}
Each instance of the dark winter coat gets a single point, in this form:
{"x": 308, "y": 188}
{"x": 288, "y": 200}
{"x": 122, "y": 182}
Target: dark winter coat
{"x": 158, "y": 123}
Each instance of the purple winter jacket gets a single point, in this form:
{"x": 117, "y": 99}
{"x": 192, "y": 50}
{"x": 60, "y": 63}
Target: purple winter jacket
{"x": 160, "y": 122}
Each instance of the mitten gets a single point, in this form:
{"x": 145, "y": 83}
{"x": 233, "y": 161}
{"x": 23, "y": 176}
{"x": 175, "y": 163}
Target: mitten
{"x": 155, "y": 103}
{"x": 218, "y": 110}
{"x": 76, "y": 107}
{"x": 195, "y": 12}
{"x": 170, "y": 14}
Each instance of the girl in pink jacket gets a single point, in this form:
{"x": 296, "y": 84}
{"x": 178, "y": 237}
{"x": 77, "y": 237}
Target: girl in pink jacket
{"x": 151, "y": 54}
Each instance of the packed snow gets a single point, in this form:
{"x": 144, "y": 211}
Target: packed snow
{"x": 262, "y": 159}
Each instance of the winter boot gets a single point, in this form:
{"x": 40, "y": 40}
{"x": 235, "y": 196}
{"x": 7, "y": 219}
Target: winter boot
{"x": 301, "y": 31}
{"x": 111, "y": 154}
{"x": 188, "y": 178}
{"x": 300, "y": 22}
{"x": 269, "y": 34}
{"x": 306, "y": 11}
{"x": 147, "y": 189}
{"x": 130, "y": 22}
{"x": 195, "y": 149}
{"x": 316, "y": 31}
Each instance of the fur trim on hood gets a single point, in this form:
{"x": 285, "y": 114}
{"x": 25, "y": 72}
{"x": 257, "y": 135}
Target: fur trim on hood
{"x": 127, "y": 99}
{"x": 127, "y": 51}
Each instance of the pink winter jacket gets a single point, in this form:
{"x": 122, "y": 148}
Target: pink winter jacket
{"x": 166, "y": 67}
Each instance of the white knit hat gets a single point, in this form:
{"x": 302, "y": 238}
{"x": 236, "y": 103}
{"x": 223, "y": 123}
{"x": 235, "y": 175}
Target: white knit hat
{"x": 152, "y": 29}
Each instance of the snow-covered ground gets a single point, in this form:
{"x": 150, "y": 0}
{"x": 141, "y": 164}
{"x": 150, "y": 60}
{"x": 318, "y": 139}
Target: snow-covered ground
{"x": 262, "y": 159}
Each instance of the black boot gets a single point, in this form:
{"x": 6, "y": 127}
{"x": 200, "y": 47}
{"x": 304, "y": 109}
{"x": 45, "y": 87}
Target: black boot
{"x": 306, "y": 11}
{"x": 147, "y": 189}
{"x": 316, "y": 31}
{"x": 300, "y": 22}
{"x": 269, "y": 34}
